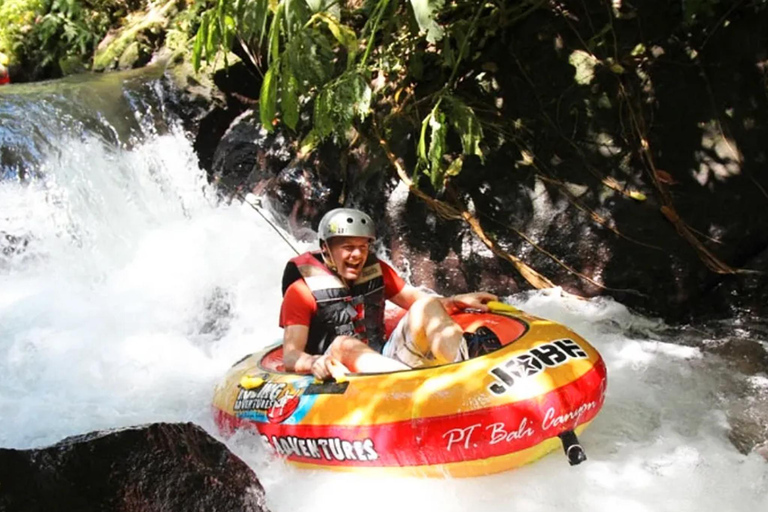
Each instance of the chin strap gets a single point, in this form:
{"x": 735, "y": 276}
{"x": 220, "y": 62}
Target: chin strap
{"x": 328, "y": 260}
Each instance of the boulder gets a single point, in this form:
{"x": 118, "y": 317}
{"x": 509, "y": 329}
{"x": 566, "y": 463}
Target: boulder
{"x": 159, "y": 467}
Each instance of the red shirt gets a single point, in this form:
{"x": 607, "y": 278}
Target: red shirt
{"x": 299, "y": 305}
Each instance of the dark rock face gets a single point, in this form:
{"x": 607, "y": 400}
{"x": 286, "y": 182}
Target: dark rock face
{"x": 247, "y": 152}
{"x": 239, "y": 85}
{"x": 158, "y": 467}
{"x": 744, "y": 295}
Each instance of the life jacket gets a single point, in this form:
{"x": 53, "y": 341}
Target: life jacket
{"x": 356, "y": 311}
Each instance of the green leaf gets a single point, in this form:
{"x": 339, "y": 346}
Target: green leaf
{"x": 274, "y": 35}
{"x": 309, "y": 143}
{"x": 323, "y": 114}
{"x": 309, "y": 57}
{"x": 289, "y": 102}
{"x": 455, "y": 168}
{"x": 426, "y": 12}
{"x": 268, "y": 99}
{"x": 200, "y": 38}
{"x": 467, "y": 126}
{"x": 252, "y": 19}
{"x": 229, "y": 31}
{"x": 296, "y": 14}
{"x": 421, "y": 149}
{"x": 214, "y": 39}
{"x": 437, "y": 148}
{"x": 339, "y": 103}
{"x": 343, "y": 34}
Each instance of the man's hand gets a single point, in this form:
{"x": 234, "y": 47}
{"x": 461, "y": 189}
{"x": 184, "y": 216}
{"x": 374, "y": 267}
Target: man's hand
{"x": 325, "y": 367}
{"x": 477, "y": 300}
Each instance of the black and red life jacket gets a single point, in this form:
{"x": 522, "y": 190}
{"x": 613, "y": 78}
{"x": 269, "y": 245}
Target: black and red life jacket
{"x": 356, "y": 310}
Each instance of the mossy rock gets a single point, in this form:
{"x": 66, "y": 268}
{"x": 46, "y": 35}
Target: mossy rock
{"x": 130, "y": 57}
{"x": 72, "y": 65}
{"x": 112, "y": 49}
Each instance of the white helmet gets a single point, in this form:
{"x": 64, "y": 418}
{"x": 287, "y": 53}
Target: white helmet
{"x": 346, "y": 222}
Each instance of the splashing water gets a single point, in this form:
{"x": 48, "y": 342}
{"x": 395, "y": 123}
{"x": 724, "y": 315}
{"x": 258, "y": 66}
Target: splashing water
{"x": 127, "y": 290}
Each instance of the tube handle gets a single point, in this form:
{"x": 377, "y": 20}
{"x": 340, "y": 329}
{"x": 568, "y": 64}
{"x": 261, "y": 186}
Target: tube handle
{"x": 572, "y": 447}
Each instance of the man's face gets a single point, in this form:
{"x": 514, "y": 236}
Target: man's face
{"x": 349, "y": 254}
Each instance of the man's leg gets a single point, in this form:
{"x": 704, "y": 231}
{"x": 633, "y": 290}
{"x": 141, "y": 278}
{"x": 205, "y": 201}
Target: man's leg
{"x": 360, "y": 358}
{"x": 433, "y": 331}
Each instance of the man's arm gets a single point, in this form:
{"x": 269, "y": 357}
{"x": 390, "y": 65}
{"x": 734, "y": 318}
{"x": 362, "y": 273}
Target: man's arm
{"x": 294, "y": 341}
{"x": 478, "y": 300}
{"x": 296, "y": 360}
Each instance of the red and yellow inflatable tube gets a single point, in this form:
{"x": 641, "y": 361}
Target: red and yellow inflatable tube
{"x": 481, "y": 416}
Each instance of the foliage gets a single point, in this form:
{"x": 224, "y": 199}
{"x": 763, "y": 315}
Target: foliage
{"x": 425, "y": 12}
{"x": 337, "y": 61}
{"x": 355, "y": 67}
{"x": 42, "y": 33}
{"x": 17, "y": 17}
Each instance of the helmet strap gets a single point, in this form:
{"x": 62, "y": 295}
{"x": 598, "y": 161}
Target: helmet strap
{"x": 325, "y": 250}
{"x": 327, "y": 257}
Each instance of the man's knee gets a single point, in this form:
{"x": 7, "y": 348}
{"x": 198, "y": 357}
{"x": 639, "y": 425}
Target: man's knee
{"x": 427, "y": 305}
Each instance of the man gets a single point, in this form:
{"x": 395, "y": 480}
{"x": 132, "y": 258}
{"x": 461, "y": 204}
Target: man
{"x": 333, "y": 308}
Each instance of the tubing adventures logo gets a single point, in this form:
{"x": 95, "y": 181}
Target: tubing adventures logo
{"x": 278, "y": 400}
{"x": 528, "y": 364}
{"x": 332, "y": 449}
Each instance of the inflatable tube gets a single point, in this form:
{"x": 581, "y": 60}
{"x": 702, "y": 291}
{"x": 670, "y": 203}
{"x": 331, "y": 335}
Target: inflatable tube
{"x": 481, "y": 416}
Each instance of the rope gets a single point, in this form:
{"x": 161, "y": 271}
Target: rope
{"x": 257, "y": 207}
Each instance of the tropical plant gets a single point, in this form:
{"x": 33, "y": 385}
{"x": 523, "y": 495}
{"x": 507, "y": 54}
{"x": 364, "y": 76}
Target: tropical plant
{"x": 41, "y": 34}
{"x": 338, "y": 60}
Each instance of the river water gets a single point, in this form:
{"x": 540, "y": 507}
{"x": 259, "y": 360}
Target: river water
{"x": 127, "y": 289}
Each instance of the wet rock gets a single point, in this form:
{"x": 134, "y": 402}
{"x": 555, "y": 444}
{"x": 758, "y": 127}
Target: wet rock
{"x": 746, "y": 355}
{"x": 239, "y": 87}
{"x": 168, "y": 467}
{"x": 248, "y": 154}
{"x": 442, "y": 254}
{"x": 744, "y": 295}
{"x": 748, "y": 419}
{"x": 129, "y": 59}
